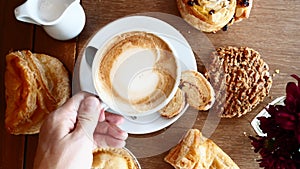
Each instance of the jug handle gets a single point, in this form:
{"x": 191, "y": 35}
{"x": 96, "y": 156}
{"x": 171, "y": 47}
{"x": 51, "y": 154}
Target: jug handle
{"x": 22, "y": 14}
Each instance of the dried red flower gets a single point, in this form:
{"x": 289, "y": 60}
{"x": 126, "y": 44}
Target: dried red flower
{"x": 280, "y": 149}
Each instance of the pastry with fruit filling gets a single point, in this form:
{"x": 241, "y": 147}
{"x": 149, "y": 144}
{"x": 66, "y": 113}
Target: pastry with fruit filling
{"x": 213, "y": 15}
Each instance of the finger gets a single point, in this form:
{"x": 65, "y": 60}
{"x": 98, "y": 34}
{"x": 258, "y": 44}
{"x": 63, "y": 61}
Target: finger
{"x": 114, "y": 118}
{"x": 102, "y": 115}
{"x": 74, "y": 102}
{"x": 62, "y": 121}
{"x": 88, "y": 114}
{"x": 108, "y": 141}
{"x": 111, "y": 130}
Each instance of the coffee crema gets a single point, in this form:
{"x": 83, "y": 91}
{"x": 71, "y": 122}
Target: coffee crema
{"x": 138, "y": 70}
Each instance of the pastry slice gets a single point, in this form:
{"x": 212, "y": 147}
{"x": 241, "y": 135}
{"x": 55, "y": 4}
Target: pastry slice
{"x": 175, "y": 106}
{"x": 185, "y": 154}
{"x": 116, "y": 158}
{"x": 199, "y": 92}
{"x": 197, "y": 152}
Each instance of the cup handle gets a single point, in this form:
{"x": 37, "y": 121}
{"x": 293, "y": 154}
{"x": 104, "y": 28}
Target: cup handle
{"x": 90, "y": 53}
{"x": 104, "y": 106}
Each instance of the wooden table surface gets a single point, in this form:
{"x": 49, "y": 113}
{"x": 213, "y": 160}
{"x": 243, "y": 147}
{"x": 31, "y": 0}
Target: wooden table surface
{"x": 272, "y": 29}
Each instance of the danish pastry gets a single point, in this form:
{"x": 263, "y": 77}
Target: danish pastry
{"x": 213, "y": 15}
{"x": 35, "y": 85}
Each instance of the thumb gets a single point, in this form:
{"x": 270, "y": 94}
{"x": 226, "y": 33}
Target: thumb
{"x": 88, "y": 115}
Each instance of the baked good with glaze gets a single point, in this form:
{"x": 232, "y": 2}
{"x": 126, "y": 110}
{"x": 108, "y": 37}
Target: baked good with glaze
{"x": 35, "y": 85}
{"x": 243, "y": 9}
{"x": 213, "y": 15}
{"x": 175, "y": 106}
{"x": 195, "y": 151}
{"x": 246, "y": 77}
{"x": 198, "y": 90}
{"x": 116, "y": 158}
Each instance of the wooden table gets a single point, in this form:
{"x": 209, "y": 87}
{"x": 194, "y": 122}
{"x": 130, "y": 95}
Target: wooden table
{"x": 272, "y": 29}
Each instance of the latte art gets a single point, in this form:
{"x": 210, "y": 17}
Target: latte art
{"x": 138, "y": 71}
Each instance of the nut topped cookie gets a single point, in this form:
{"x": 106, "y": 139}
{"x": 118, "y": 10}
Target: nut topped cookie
{"x": 246, "y": 77}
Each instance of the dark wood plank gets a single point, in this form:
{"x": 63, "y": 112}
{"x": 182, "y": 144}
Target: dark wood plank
{"x": 65, "y": 51}
{"x": 14, "y": 36}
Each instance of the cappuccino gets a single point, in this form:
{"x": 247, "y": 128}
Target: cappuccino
{"x": 137, "y": 72}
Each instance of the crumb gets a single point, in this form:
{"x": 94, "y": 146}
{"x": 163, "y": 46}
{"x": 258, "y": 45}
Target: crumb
{"x": 245, "y": 134}
{"x": 276, "y": 71}
{"x": 189, "y": 32}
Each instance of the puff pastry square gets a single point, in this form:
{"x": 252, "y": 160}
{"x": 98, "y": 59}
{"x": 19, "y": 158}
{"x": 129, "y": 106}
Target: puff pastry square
{"x": 197, "y": 152}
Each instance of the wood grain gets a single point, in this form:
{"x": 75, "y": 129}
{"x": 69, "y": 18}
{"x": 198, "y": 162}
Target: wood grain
{"x": 11, "y": 38}
{"x": 272, "y": 29}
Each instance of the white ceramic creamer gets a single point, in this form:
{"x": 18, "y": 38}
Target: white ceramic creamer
{"x": 61, "y": 19}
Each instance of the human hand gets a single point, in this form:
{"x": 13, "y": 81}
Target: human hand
{"x": 69, "y": 134}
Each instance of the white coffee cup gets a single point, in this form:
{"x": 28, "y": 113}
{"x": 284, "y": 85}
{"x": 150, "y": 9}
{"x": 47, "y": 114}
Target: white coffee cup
{"x": 136, "y": 73}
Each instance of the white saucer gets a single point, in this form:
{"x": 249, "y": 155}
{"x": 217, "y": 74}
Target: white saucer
{"x": 154, "y": 122}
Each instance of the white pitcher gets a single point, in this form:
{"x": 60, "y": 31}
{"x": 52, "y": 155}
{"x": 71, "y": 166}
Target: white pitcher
{"x": 61, "y": 19}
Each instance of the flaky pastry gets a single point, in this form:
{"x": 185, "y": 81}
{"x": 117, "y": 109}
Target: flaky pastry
{"x": 197, "y": 152}
{"x": 35, "y": 85}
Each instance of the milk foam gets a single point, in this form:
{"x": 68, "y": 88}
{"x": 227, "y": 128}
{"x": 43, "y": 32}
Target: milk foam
{"x": 138, "y": 73}
{"x": 132, "y": 74}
